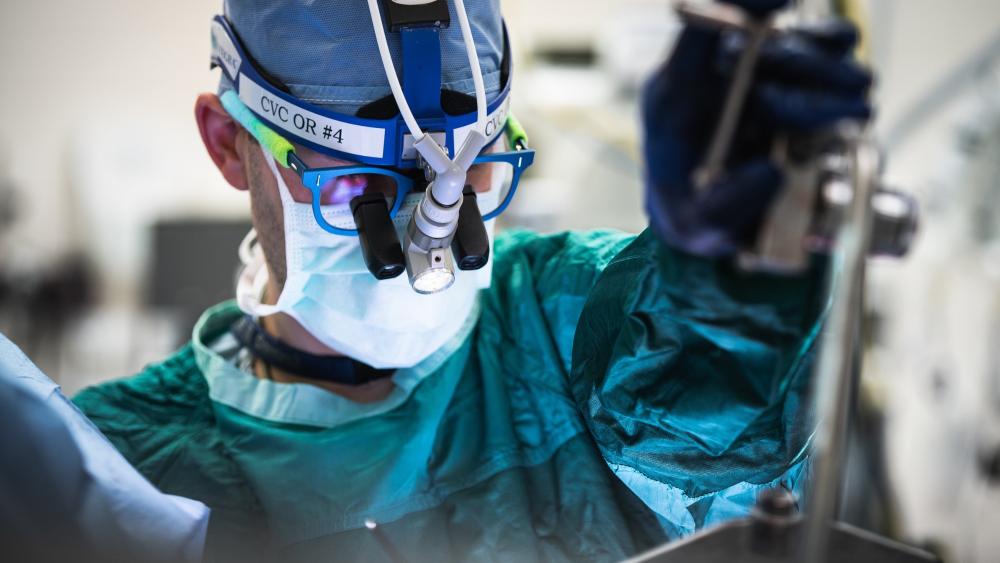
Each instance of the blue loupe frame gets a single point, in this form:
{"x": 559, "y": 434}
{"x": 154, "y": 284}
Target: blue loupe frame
{"x": 313, "y": 178}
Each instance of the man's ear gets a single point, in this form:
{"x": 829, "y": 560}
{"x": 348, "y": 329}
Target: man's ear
{"x": 221, "y": 133}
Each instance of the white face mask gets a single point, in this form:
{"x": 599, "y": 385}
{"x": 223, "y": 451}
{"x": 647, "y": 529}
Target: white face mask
{"x": 331, "y": 293}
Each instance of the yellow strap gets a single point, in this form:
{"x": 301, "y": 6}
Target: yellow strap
{"x": 857, "y": 13}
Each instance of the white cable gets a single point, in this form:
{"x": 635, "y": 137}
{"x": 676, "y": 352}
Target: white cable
{"x": 477, "y": 76}
{"x": 390, "y": 72}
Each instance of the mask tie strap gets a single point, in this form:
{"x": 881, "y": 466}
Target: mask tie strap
{"x": 250, "y": 288}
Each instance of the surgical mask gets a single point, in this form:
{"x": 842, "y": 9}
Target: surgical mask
{"x": 331, "y": 293}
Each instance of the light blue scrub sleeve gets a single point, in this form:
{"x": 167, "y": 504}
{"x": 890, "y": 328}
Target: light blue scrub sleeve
{"x": 61, "y": 476}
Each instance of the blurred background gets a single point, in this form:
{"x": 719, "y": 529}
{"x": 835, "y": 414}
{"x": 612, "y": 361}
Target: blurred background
{"x": 116, "y": 231}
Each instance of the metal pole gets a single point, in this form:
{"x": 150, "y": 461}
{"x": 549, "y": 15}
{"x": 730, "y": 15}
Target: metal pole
{"x": 835, "y": 367}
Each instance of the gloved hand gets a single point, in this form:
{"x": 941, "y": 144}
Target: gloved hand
{"x": 804, "y": 81}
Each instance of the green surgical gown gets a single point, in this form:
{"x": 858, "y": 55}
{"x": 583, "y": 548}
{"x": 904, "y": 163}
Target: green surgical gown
{"x": 610, "y": 395}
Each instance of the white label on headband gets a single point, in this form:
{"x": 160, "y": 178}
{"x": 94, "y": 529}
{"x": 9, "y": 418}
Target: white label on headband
{"x": 224, "y": 50}
{"x": 494, "y": 125}
{"x": 323, "y": 131}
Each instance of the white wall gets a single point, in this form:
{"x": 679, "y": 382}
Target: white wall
{"x": 940, "y": 304}
{"x": 110, "y": 82}
{"x": 915, "y": 44}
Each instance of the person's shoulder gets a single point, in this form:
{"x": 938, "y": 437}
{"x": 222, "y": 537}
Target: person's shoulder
{"x": 163, "y": 422}
{"x": 543, "y": 280}
{"x": 165, "y": 398}
{"x": 565, "y": 251}
{"x": 162, "y": 388}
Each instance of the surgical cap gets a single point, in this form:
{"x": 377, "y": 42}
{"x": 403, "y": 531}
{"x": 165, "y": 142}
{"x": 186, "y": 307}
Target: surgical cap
{"x": 324, "y": 52}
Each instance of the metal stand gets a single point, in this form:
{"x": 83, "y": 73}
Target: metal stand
{"x": 773, "y": 534}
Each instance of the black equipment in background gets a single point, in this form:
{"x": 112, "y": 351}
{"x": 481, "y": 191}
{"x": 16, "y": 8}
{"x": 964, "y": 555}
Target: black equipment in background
{"x": 193, "y": 265}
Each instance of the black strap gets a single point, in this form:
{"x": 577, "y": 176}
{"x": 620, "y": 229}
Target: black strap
{"x": 335, "y": 369}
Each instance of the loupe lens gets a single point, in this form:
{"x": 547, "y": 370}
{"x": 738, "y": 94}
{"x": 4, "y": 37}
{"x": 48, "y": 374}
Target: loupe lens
{"x": 338, "y": 191}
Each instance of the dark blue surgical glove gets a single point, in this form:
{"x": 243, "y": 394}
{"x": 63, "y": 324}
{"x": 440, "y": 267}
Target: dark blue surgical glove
{"x": 805, "y": 81}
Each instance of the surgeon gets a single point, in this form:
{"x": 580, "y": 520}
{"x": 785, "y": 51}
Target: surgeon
{"x": 584, "y": 396}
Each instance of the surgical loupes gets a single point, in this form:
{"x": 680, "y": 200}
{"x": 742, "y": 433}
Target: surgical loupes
{"x": 471, "y": 245}
{"x": 377, "y": 235}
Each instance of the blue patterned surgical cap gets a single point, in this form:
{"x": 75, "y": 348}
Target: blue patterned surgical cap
{"x": 324, "y": 51}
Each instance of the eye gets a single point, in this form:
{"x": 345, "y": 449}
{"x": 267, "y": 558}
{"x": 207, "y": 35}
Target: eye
{"x": 342, "y": 189}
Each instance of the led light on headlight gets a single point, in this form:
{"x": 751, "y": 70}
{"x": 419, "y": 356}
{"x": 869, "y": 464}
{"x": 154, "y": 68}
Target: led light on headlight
{"x": 431, "y": 271}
